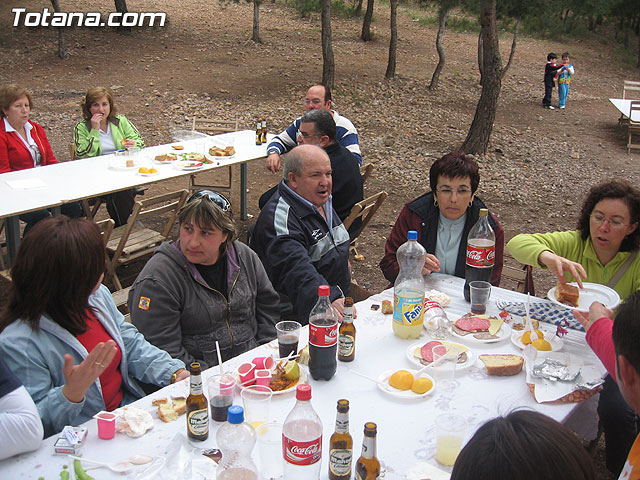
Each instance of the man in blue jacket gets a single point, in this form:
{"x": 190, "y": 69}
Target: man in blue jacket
{"x": 300, "y": 238}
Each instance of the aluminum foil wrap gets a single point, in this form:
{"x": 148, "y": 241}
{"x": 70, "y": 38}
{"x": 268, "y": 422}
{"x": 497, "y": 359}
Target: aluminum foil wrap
{"x": 554, "y": 370}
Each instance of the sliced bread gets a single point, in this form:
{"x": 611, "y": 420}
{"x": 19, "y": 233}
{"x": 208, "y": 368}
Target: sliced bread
{"x": 502, "y": 365}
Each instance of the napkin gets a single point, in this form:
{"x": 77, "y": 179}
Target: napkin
{"x": 545, "y": 311}
{"x": 26, "y": 184}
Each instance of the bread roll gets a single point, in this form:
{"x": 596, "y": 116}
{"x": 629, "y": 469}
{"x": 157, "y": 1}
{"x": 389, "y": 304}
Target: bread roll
{"x": 502, "y": 365}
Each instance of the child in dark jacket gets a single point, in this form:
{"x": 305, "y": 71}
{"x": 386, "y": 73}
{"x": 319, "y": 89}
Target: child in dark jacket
{"x": 549, "y": 74}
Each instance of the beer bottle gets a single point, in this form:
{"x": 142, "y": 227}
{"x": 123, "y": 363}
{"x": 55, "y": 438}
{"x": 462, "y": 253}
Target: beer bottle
{"x": 259, "y": 132}
{"x": 197, "y": 409}
{"x": 264, "y": 130}
{"x": 347, "y": 334}
{"x": 341, "y": 445}
{"x": 368, "y": 466}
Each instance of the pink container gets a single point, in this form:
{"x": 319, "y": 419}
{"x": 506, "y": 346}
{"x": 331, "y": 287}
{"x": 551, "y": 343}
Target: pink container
{"x": 246, "y": 372}
{"x": 263, "y": 362}
{"x": 263, "y": 377}
{"x": 106, "y": 425}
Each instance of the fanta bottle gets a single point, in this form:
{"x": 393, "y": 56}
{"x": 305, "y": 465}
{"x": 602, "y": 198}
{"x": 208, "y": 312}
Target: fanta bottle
{"x": 408, "y": 290}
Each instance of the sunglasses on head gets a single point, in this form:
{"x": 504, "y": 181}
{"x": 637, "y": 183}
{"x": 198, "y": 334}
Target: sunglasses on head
{"x": 214, "y": 197}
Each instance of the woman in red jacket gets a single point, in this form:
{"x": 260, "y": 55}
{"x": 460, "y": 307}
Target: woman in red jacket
{"x": 23, "y": 144}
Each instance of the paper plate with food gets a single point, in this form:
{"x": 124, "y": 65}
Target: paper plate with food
{"x": 568, "y": 295}
{"x": 421, "y": 354}
{"x": 285, "y": 378}
{"x": 403, "y": 384}
{"x": 189, "y": 165}
{"x": 124, "y": 164}
{"x": 480, "y": 328}
{"x": 544, "y": 341}
{"x": 216, "y": 153}
{"x": 165, "y": 158}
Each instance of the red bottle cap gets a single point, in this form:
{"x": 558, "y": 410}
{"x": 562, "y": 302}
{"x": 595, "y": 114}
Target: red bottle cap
{"x": 303, "y": 392}
{"x": 324, "y": 291}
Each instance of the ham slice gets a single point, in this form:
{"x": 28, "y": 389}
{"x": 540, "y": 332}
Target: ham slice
{"x": 426, "y": 351}
{"x": 473, "y": 324}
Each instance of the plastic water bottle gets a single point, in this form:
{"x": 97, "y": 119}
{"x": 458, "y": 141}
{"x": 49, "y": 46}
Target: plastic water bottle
{"x": 436, "y": 322}
{"x": 302, "y": 439}
{"x": 408, "y": 290}
{"x": 236, "y": 439}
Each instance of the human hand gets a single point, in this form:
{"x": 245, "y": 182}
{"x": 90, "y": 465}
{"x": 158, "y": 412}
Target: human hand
{"x": 558, "y": 265}
{"x": 180, "y": 375}
{"x": 78, "y": 378}
{"x": 128, "y": 143}
{"x": 96, "y": 120}
{"x": 596, "y": 311}
{"x": 431, "y": 264}
{"x": 273, "y": 162}
{"x": 338, "y": 306}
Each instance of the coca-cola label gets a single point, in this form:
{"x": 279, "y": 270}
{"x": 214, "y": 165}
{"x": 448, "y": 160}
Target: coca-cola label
{"x": 429, "y": 304}
{"x": 301, "y": 453}
{"x": 408, "y": 310}
{"x": 323, "y": 335}
{"x": 482, "y": 257}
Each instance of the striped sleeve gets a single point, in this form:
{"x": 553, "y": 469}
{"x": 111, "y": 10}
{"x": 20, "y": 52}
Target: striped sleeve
{"x": 286, "y": 140}
{"x": 347, "y": 135}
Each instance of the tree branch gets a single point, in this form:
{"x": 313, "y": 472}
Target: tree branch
{"x": 513, "y": 48}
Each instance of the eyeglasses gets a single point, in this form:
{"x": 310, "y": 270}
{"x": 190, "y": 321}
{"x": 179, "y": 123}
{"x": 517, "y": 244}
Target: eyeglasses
{"x": 219, "y": 200}
{"x": 447, "y": 192}
{"x": 614, "y": 223}
{"x": 301, "y": 134}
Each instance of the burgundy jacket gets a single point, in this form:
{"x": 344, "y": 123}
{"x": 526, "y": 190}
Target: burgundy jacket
{"x": 14, "y": 155}
{"x": 422, "y": 216}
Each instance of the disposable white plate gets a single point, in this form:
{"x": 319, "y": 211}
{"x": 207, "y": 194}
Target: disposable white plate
{"x": 153, "y": 174}
{"x": 383, "y": 384}
{"x": 217, "y": 158}
{"x": 592, "y": 292}
{"x": 502, "y": 334}
{"x": 188, "y": 165}
{"x": 292, "y": 388}
{"x": 555, "y": 341}
{"x": 471, "y": 357}
{"x": 121, "y": 164}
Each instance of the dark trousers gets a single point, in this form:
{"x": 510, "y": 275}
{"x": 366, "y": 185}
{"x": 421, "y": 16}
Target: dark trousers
{"x": 72, "y": 210}
{"x": 548, "y": 90}
{"x": 120, "y": 205}
{"x": 618, "y": 422}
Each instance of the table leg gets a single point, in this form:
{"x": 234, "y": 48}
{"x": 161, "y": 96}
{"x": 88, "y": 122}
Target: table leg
{"x": 243, "y": 191}
{"x": 12, "y": 226}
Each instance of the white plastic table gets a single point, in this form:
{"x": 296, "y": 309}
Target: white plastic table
{"x": 406, "y": 433}
{"x": 624, "y": 107}
{"x": 53, "y": 185}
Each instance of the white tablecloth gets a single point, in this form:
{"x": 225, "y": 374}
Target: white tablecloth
{"x": 405, "y": 428}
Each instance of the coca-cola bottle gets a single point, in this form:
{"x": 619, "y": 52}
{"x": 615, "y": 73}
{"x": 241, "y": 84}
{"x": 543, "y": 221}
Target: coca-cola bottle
{"x": 302, "y": 438}
{"x": 481, "y": 252}
{"x": 323, "y": 337}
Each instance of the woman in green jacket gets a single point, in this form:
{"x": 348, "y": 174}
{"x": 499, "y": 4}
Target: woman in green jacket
{"x": 606, "y": 243}
{"x": 102, "y": 132}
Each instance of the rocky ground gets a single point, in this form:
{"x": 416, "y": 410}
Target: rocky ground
{"x": 534, "y": 176}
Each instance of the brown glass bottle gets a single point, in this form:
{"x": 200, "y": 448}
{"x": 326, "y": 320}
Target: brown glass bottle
{"x": 197, "y": 408}
{"x": 264, "y": 130}
{"x": 259, "y": 132}
{"x": 347, "y": 334}
{"x": 341, "y": 445}
{"x": 368, "y": 466}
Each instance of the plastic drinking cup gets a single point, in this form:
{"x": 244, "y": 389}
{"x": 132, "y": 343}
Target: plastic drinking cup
{"x": 263, "y": 377}
{"x": 269, "y": 437}
{"x": 257, "y": 401}
{"x": 480, "y": 292}
{"x": 451, "y": 430}
{"x": 106, "y": 425}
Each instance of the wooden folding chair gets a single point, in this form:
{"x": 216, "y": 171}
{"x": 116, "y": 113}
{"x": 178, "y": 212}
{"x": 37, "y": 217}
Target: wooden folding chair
{"x": 213, "y": 126}
{"x": 106, "y": 227}
{"x": 364, "y": 209}
{"x": 120, "y": 298}
{"x": 132, "y": 241}
{"x": 521, "y": 275}
{"x": 634, "y": 125}
{"x": 365, "y": 171}
{"x": 631, "y": 91}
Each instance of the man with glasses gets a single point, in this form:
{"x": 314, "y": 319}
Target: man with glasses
{"x": 204, "y": 287}
{"x": 318, "y": 98}
{"x": 443, "y": 218}
{"x": 300, "y": 238}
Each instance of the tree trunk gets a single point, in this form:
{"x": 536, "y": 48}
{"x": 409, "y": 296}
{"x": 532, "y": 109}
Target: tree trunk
{"x": 62, "y": 49}
{"x": 479, "y": 134}
{"x": 121, "y": 6}
{"x": 393, "y": 42}
{"x": 638, "y": 65}
{"x": 516, "y": 27}
{"x": 328, "y": 64}
{"x": 256, "y": 22}
{"x": 359, "y": 8}
{"x": 442, "y": 24}
{"x": 366, "y": 24}
{"x": 480, "y": 55}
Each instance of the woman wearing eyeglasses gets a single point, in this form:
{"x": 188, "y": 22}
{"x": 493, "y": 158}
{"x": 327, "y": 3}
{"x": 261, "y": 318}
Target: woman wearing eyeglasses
{"x": 24, "y": 144}
{"x": 205, "y": 287}
{"x": 604, "y": 249}
{"x": 443, "y": 218}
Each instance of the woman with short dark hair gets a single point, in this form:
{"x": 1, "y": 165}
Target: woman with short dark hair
{"x": 443, "y": 218}
{"x": 524, "y": 445}
{"x": 205, "y": 287}
{"x": 63, "y": 336}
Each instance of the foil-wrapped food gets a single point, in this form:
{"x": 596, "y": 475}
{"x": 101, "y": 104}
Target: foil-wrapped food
{"x": 555, "y": 370}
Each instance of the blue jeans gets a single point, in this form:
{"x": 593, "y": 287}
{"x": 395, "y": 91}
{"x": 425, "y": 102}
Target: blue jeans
{"x": 563, "y": 92}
